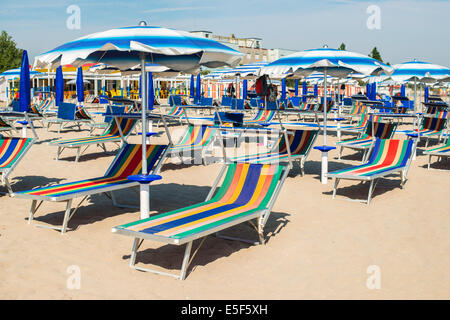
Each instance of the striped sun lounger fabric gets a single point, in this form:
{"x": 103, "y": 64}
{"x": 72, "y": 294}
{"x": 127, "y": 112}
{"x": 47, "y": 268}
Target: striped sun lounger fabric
{"x": 111, "y": 134}
{"x": 300, "y": 142}
{"x": 197, "y": 136}
{"x": 4, "y": 125}
{"x": 262, "y": 116}
{"x": 11, "y": 149}
{"x": 176, "y": 112}
{"x": 127, "y": 162}
{"x": 443, "y": 151}
{"x": 388, "y": 155}
{"x": 247, "y": 188}
{"x": 431, "y": 126}
{"x": 382, "y": 130}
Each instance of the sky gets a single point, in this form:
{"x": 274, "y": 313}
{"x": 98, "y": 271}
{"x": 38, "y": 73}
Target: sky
{"x": 408, "y": 29}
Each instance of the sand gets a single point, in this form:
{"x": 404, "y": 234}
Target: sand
{"x": 317, "y": 248}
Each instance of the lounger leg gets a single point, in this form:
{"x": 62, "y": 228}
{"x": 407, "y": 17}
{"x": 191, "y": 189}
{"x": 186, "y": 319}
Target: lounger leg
{"x": 58, "y": 152}
{"x": 78, "y": 154}
{"x": 370, "y": 191}
{"x": 302, "y": 166}
{"x": 66, "y": 216}
{"x": 136, "y": 244}
{"x": 340, "y": 152}
{"x": 336, "y": 182}
{"x": 185, "y": 264}
{"x": 8, "y": 185}
{"x": 32, "y": 211}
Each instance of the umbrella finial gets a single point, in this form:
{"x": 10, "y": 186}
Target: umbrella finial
{"x": 142, "y": 23}
{"x": 325, "y": 46}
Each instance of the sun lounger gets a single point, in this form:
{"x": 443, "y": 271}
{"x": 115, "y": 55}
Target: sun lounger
{"x": 69, "y": 113}
{"x": 388, "y": 156}
{"x": 12, "y": 151}
{"x": 248, "y": 192}
{"x": 118, "y": 131}
{"x": 6, "y": 126}
{"x": 440, "y": 152}
{"x": 126, "y": 163}
{"x": 197, "y": 138}
{"x": 299, "y": 145}
{"x": 430, "y": 127}
{"x": 263, "y": 116}
{"x": 381, "y": 130}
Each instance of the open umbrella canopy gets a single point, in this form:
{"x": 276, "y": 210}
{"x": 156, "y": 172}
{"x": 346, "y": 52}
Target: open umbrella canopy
{"x": 122, "y": 48}
{"x": 245, "y": 71}
{"x": 338, "y": 63}
{"x": 15, "y": 73}
{"x": 419, "y": 71}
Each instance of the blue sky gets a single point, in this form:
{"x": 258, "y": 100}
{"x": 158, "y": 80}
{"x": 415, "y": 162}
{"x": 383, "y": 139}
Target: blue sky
{"x": 410, "y": 29}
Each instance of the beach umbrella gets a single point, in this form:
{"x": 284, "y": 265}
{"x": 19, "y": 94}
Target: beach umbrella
{"x": 244, "y": 89}
{"x": 24, "y": 84}
{"x": 59, "y": 86}
{"x": 192, "y": 89}
{"x": 373, "y": 91}
{"x": 128, "y": 47}
{"x": 427, "y": 93}
{"x": 402, "y": 91}
{"x": 419, "y": 71}
{"x": 304, "y": 91}
{"x": 368, "y": 89}
{"x": 80, "y": 85}
{"x": 316, "y": 90}
{"x": 283, "y": 89}
{"x": 296, "y": 87}
{"x": 198, "y": 88}
{"x": 333, "y": 62}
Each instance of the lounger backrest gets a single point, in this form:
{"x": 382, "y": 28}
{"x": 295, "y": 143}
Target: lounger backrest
{"x": 126, "y": 125}
{"x": 433, "y": 123}
{"x": 176, "y": 111}
{"x": 206, "y": 101}
{"x": 129, "y": 160}
{"x": 390, "y": 152}
{"x": 300, "y": 142}
{"x": 11, "y": 149}
{"x": 4, "y": 124}
{"x": 381, "y": 130}
{"x": 246, "y": 184}
{"x": 81, "y": 114}
{"x": 358, "y": 108}
{"x": 66, "y": 111}
{"x": 198, "y": 135}
{"x": 175, "y": 100}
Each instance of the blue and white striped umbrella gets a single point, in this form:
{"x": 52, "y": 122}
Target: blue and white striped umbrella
{"x": 244, "y": 71}
{"x": 15, "y": 73}
{"x": 122, "y": 48}
{"x": 419, "y": 71}
{"x": 338, "y": 63}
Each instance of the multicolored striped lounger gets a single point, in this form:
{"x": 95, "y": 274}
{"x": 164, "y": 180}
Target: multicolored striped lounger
{"x": 196, "y": 138}
{"x": 263, "y": 116}
{"x": 388, "y": 156}
{"x": 126, "y": 163}
{"x": 6, "y": 126}
{"x": 12, "y": 151}
{"x": 118, "y": 131}
{"x": 248, "y": 192}
{"x": 381, "y": 130}
{"x": 300, "y": 144}
{"x": 440, "y": 152}
{"x": 431, "y": 126}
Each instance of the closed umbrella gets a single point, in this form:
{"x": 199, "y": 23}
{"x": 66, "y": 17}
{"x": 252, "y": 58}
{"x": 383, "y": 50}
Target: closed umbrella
{"x": 192, "y": 90}
{"x": 316, "y": 90}
{"x": 283, "y": 89}
{"x": 24, "y": 84}
{"x": 296, "y": 87}
{"x": 426, "y": 94}
{"x": 59, "y": 86}
{"x": 304, "y": 91}
{"x": 402, "y": 91}
{"x": 80, "y": 85}
{"x": 198, "y": 89}
{"x": 244, "y": 89}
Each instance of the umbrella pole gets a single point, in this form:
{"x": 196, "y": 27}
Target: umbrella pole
{"x": 144, "y": 187}
{"x": 324, "y": 153}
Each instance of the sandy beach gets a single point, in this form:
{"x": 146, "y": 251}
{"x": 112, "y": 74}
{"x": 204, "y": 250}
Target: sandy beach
{"x": 317, "y": 248}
